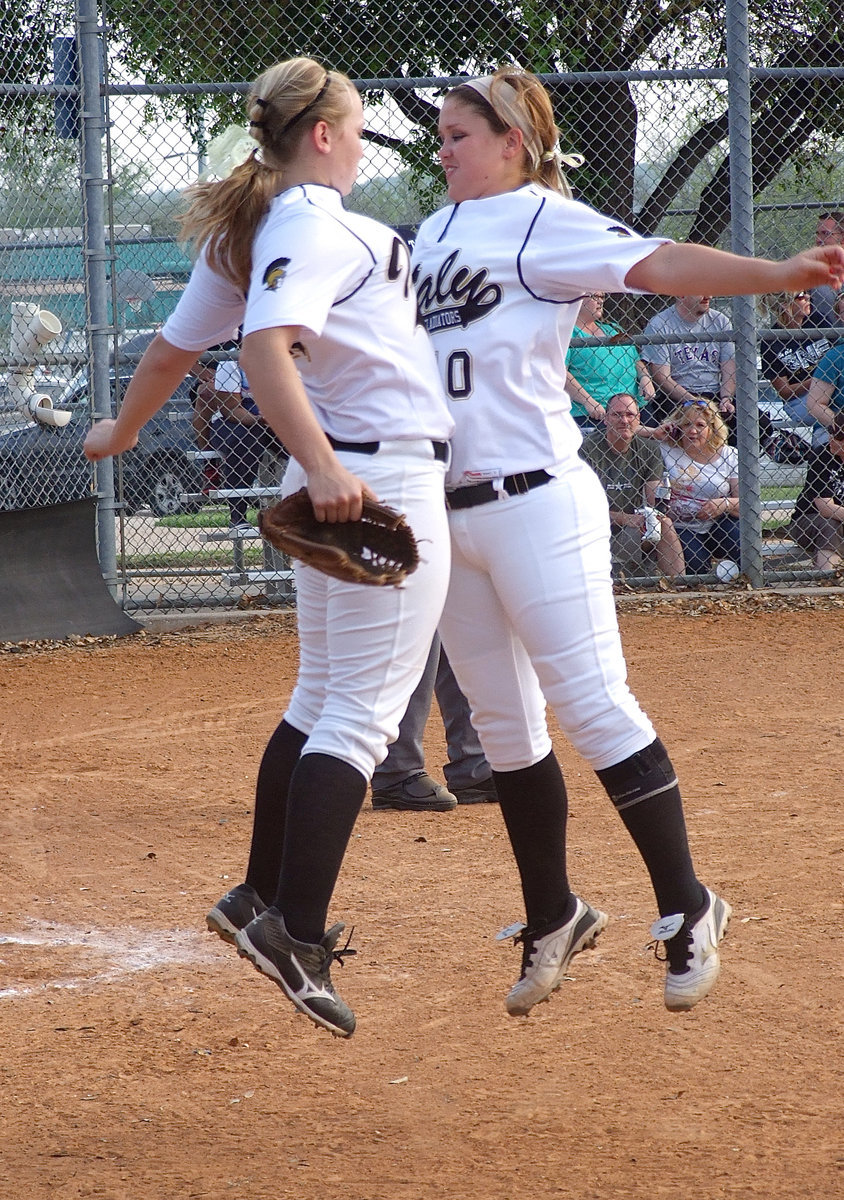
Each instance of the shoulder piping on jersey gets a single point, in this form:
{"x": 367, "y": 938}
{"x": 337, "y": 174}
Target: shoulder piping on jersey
{"x": 530, "y": 292}
{"x": 453, "y": 214}
{"x": 356, "y": 236}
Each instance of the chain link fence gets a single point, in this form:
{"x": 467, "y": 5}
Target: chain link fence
{"x": 723, "y": 126}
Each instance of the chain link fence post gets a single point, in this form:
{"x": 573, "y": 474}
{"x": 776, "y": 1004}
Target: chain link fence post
{"x": 744, "y": 314}
{"x": 95, "y": 261}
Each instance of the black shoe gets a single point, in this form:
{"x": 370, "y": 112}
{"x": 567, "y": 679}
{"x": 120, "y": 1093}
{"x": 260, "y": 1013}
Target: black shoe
{"x": 236, "y": 909}
{"x": 301, "y": 969}
{"x": 417, "y": 793}
{"x": 482, "y": 792}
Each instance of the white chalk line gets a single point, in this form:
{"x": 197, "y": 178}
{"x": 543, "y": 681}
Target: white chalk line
{"x": 114, "y": 953}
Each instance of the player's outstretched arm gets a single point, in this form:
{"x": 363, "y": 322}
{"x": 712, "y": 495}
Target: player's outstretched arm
{"x": 158, "y": 374}
{"x": 685, "y": 269}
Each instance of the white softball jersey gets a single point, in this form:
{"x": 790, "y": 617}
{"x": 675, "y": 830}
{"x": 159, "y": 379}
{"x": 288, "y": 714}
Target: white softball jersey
{"x": 369, "y": 372}
{"x": 366, "y": 364}
{"x": 499, "y": 282}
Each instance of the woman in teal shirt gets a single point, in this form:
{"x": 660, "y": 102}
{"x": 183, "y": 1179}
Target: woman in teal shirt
{"x": 597, "y": 372}
{"x": 825, "y": 398}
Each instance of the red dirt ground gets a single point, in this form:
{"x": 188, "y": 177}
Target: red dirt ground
{"x": 143, "y": 1060}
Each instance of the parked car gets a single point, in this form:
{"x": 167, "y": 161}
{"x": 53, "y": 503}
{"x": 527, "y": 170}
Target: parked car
{"x": 41, "y": 465}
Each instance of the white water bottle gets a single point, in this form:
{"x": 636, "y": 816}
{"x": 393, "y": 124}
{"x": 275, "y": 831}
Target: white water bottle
{"x": 662, "y": 496}
{"x": 653, "y": 528}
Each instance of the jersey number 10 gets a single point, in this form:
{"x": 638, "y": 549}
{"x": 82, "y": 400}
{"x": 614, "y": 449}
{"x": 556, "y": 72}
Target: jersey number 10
{"x": 458, "y": 375}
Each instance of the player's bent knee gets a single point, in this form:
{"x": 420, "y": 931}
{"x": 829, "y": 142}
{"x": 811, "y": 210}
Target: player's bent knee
{"x": 643, "y": 775}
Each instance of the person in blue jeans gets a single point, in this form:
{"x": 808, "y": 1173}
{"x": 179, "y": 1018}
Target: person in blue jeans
{"x": 825, "y": 397}
{"x": 703, "y": 472}
{"x": 401, "y": 781}
{"x": 241, "y": 437}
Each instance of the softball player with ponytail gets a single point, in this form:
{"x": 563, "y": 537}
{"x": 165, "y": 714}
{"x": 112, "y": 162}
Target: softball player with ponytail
{"x": 336, "y": 360}
{"x": 530, "y": 613}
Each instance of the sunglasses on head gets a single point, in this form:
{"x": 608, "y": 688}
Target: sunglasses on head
{"x": 695, "y": 404}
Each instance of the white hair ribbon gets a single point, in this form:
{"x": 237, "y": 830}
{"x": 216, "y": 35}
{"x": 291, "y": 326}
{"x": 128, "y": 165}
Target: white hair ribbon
{"x": 507, "y": 108}
{"x": 228, "y": 150}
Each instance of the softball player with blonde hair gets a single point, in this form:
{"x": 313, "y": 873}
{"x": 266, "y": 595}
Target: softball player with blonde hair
{"x": 530, "y": 615}
{"x": 346, "y": 378}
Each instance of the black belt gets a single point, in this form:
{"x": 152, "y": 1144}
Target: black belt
{"x": 440, "y": 448}
{"x": 483, "y": 493}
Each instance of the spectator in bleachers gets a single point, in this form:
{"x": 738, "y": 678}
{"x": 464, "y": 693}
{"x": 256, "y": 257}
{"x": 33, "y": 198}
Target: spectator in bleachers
{"x": 595, "y": 373}
{"x": 242, "y": 437}
{"x": 703, "y": 472}
{"x": 630, "y": 470}
{"x": 823, "y": 313}
{"x": 788, "y": 363}
{"x": 203, "y": 397}
{"x": 205, "y": 403}
{"x": 818, "y": 522}
{"x": 825, "y": 397}
{"x": 696, "y": 367}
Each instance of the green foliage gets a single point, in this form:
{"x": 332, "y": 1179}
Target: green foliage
{"x": 191, "y": 40}
{"x": 30, "y": 180}
{"x": 613, "y": 123}
{"x": 403, "y": 199}
{"x": 39, "y": 178}
{"x": 27, "y": 28}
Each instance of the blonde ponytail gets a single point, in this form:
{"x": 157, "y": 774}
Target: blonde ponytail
{"x": 283, "y": 105}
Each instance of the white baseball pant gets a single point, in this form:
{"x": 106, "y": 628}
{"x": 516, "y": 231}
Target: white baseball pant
{"x": 530, "y": 615}
{"x": 362, "y": 648}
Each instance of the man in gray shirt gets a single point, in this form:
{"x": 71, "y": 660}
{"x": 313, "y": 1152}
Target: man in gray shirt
{"x": 695, "y": 366}
{"x": 823, "y": 314}
{"x": 630, "y": 469}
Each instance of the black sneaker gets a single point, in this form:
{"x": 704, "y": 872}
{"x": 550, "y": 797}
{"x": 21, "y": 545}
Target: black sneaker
{"x": 235, "y": 910}
{"x": 418, "y": 793}
{"x": 482, "y": 792}
{"x": 301, "y": 969}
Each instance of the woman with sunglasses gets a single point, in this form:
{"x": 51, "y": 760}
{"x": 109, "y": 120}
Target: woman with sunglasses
{"x": 703, "y": 472}
{"x": 788, "y": 363}
{"x": 500, "y": 273}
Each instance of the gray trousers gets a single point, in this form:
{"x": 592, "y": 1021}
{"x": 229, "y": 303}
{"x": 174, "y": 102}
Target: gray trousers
{"x": 466, "y": 762}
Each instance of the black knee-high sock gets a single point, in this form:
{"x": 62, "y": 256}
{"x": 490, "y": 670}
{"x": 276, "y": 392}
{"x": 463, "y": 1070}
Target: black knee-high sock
{"x": 534, "y": 805}
{"x": 325, "y": 798}
{"x": 645, "y": 792}
{"x": 274, "y": 774}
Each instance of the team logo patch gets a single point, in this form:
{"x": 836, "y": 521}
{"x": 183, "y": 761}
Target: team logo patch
{"x": 455, "y": 296}
{"x": 620, "y": 230}
{"x": 275, "y": 273}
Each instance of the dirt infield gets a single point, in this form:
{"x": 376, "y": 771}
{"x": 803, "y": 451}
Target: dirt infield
{"x": 143, "y": 1060}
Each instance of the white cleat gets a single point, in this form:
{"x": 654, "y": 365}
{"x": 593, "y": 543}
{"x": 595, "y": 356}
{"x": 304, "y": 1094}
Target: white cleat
{"x": 546, "y": 956}
{"x": 691, "y": 951}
